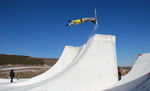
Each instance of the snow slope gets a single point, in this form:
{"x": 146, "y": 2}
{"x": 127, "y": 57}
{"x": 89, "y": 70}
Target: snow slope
{"x": 138, "y": 79}
{"x": 66, "y": 58}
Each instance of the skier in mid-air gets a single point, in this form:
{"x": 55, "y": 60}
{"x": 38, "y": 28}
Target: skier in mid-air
{"x": 78, "y": 21}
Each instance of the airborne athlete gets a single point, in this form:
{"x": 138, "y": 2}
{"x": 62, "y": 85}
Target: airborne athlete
{"x": 78, "y": 21}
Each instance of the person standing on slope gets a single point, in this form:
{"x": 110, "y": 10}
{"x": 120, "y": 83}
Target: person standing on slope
{"x": 119, "y": 73}
{"x": 12, "y": 75}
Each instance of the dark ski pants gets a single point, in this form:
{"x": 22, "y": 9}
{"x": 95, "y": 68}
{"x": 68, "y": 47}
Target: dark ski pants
{"x": 11, "y": 79}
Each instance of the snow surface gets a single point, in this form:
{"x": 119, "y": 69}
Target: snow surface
{"x": 138, "y": 79}
{"x": 64, "y": 61}
{"x": 7, "y": 81}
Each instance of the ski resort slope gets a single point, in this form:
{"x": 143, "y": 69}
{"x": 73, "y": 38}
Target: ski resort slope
{"x": 138, "y": 79}
{"x": 95, "y": 68}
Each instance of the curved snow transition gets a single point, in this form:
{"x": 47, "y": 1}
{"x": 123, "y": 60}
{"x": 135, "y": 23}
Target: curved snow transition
{"x": 66, "y": 58}
{"x": 93, "y": 68}
{"x": 138, "y": 79}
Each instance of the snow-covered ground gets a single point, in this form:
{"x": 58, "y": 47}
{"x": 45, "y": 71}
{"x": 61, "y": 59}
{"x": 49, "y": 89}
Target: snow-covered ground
{"x": 7, "y": 81}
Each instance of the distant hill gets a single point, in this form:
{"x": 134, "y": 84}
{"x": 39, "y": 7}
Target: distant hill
{"x": 25, "y": 60}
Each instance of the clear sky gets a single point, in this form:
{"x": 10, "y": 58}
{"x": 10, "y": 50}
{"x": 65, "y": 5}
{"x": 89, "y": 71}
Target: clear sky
{"x": 37, "y": 27}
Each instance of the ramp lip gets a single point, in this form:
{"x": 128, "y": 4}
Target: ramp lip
{"x": 104, "y": 37}
{"x": 75, "y": 47}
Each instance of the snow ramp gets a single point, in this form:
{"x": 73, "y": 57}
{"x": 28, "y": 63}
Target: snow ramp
{"x": 138, "y": 79}
{"x": 93, "y": 69}
{"x": 68, "y": 55}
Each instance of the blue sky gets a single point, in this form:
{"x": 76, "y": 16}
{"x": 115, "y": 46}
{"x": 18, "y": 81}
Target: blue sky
{"x": 37, "y": 27}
